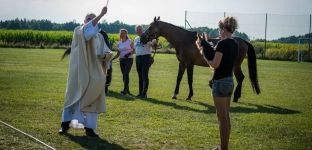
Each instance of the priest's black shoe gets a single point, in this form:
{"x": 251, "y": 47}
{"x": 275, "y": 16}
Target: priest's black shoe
{"x": 90, "y": 132}
{"x": 64, "y": 127}
{"x": 63, "y": 130}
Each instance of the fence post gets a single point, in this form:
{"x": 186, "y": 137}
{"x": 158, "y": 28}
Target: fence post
{"x": 299, "y": 51}
{"x": 185, "y": 20}
{"x": 309, "y": 40}
{"x": 265, "y": 34}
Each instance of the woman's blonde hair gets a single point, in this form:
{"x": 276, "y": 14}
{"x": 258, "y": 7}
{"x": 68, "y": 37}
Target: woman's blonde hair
{"x": 229, "y": 23}
{"x": 125, "y": 30}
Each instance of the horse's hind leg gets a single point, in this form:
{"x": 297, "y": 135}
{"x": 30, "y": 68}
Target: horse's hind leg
{"x": 179, "y": 78}
{"x": 190, "y": 70}
{"x": 239, "y": 78}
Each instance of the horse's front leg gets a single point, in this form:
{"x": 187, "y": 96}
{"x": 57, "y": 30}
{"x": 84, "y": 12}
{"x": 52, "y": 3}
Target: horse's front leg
{"x": 190, "y": 70}
{"x": 179, "y": 78}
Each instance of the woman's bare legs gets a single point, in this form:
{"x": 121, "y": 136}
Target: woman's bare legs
{"x": 222, "y": 105}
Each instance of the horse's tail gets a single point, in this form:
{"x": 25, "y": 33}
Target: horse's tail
{"x": 252, "y": 67}
{"x": 66, "y": 53}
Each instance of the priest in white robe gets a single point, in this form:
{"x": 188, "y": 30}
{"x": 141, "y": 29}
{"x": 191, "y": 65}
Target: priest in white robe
{"x": 85, "y": 91}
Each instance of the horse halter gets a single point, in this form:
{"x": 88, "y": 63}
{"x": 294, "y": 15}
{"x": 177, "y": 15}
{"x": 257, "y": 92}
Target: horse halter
{"x": 155, "y": 34}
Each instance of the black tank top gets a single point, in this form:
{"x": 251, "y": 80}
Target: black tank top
{"x": 229, "y": 49}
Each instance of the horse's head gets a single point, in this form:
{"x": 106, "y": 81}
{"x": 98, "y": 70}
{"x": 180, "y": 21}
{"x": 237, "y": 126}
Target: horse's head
{"x": 201, "y": 40}
{"x": 205, "y": 47}
{"x": 151, "y": 32}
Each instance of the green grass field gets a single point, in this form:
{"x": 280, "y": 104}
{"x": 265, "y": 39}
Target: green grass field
{"x": 32, "y": 88}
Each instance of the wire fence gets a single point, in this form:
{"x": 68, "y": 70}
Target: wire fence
{"x": 264, "y": 27}
{"x": 256, "y": 26}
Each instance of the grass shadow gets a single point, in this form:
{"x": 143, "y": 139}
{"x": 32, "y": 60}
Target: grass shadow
{"x": 210, "y": 108}
{"x": 94, "y": 143}
{"x": 172, "y": 104}
{"x": 270, "y": 109}
{"x": 119, "y": 96}
{"x": 265, "y": 109}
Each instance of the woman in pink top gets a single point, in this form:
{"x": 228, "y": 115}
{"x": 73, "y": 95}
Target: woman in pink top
{"x": 125, "y": 51}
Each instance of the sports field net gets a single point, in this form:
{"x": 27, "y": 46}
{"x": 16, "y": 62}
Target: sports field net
{"x": 256, "y": 26}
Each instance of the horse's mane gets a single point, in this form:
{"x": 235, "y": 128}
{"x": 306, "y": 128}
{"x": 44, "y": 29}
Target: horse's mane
{"x": 189, "y": 37}
{"x": 177, "y": 27}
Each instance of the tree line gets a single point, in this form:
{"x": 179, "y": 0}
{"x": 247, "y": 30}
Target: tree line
{"x": 47, "y": 25}
{"x": 114, "y": 27}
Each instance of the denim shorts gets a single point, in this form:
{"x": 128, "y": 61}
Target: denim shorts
{"x": 223, "y": 87}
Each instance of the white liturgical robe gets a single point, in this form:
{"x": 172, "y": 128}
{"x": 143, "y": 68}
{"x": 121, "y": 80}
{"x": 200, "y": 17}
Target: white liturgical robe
{"x": 85, "y": 91}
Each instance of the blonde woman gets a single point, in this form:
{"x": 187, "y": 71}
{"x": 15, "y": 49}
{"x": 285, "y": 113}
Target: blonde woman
{"x": 125, "y": 51}
{"x": 222, "y": 61}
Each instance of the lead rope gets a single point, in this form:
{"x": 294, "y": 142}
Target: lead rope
{"x": 155, "y": 47}
{"x": 27, "y": 135}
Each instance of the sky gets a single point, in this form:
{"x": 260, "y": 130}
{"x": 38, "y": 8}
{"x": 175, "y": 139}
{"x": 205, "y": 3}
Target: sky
{"x": 172, "y": 11}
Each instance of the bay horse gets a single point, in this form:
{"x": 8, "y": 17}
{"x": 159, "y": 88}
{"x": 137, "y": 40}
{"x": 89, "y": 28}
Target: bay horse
{"x": 188, "y": 55}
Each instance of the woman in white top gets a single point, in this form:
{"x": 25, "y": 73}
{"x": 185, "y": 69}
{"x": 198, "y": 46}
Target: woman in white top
{"x": 125, "y": 51}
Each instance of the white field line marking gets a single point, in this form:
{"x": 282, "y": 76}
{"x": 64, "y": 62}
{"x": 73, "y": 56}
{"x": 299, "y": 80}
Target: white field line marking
{"x": 27, "y": 135}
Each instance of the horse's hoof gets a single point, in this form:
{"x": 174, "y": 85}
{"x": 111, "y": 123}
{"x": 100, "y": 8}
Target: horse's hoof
{"x": 188, "y": 99}
{"x": 235, "y": 100}
{"x": 173, "y": 97}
